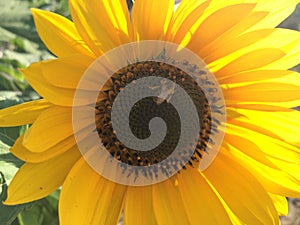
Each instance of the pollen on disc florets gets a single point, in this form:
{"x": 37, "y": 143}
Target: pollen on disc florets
{"x": 148, "y": 108}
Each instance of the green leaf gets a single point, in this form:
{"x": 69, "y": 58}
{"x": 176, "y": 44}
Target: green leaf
{"x": 9, "y": 98}
{"x": 20, "y": 41}
{"x": 44, "y": 212}
{"x": 19, "y": 44}
{"x": 9, "y": 164}
{"x": 8, "y": 214}
{"x": 8, "y": 135}
{"x": 33, "y": 216}
{"x": 10, "y": 76}
{"x": 15, "y": 17}
{"x": 24, "y": 58}
{"x": 6, "y": 35}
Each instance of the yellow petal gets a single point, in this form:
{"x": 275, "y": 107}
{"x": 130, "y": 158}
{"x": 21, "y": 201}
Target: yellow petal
{"x": 59, "y": 34}
{"x": 51, "y": 127}
{"x": 227, "y": 44}
{"x": 274, "y": 162}
{"x": 201, "y": 203}
{"x": 274, "y": 180}
{"x": 249, "y": 61}
{"x": 213, "y": 49}
{"x": 268, "y": 150}
{"x": 168, "y": 203}
{"x": 291, "y": 58}
{"x": 56, "y": 95}
{"x": 267, "y": 107}
{"x": 102, "y": 24}
{"x": 186, "y": 17}
{"x": 37, "y": 180}
{"x": 254, "y": 76}
{"x": 284, "y": 40}
{"x": 286, "y": 127}
{"x": 113, "y": 18}
{"x": 281, "y": 204}
{"x": 266, "y": 14}
{"x": 151, "y": 19}
{"x": 138, "y": 206}
{"x": 25, "y": 113}
{"x": 277, "y": 10}
{"x": 290, "y": 169}
{"x": 263, "y": 92}
{"x": 289, "y": 43}
{"x": 235, "y": 38}
{"x": 234, "y": 219}
{"x": 80, "y": 17}
{"x": 291, "y": 78}
{"x": 66, "y": 72}
{"x": 215, "y": 25}
{"x": 19, "y": 150}
{"x": 88, "y": 198}
{"x": 247, "y": 199}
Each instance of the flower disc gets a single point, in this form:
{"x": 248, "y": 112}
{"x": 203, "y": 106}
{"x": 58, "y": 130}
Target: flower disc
{"x": 151, "y": 112}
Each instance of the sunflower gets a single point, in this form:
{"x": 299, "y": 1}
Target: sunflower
{"x": 242, "y": 55}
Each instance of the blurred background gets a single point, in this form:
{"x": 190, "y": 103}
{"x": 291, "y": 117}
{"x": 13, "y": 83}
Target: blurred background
{"x": 19, "y": 47}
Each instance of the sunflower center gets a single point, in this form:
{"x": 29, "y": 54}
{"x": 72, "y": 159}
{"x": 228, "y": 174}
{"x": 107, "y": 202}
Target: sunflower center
{"x": 144, "y": 110}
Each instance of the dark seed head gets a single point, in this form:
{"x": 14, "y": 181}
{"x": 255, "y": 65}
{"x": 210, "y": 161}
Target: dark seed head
{"x": 148, "y": 108}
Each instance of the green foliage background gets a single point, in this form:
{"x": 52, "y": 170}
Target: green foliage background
{"x": 19, "y": 47}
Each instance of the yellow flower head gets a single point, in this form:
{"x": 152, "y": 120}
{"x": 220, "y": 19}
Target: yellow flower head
{"x": 169, "y": 116}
